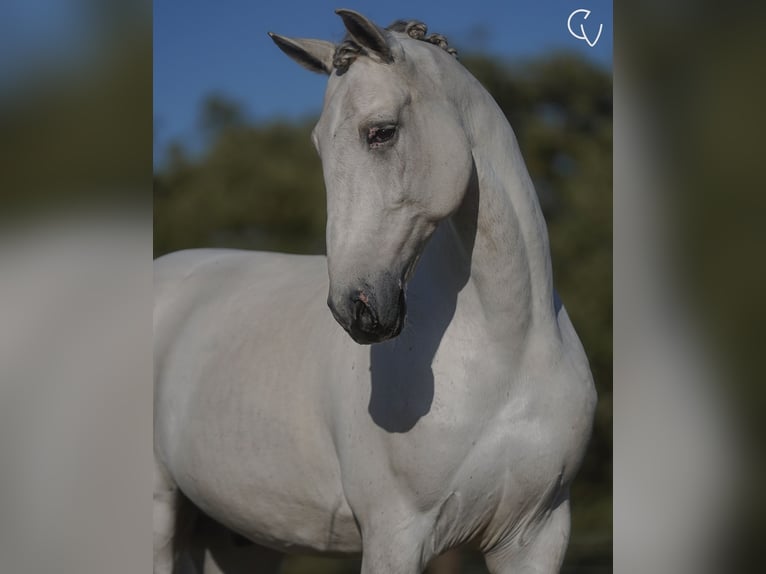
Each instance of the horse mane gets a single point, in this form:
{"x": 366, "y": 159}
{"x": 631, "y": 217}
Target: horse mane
{"x": 348, "y": 50}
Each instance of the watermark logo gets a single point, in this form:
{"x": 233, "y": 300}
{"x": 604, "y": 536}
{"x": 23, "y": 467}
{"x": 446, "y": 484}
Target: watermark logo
{"x": 582, "y": 35}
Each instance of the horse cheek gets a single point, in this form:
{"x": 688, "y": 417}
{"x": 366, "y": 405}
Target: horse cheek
{"x": 451, "y": 172}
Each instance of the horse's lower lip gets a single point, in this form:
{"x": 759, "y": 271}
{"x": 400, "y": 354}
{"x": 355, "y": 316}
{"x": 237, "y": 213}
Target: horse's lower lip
{"x": 365, "y": 338}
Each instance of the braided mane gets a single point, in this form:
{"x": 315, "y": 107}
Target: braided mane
{"x": 348, "y": 50}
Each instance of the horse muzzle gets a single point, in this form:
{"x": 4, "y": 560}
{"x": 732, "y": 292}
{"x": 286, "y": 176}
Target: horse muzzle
{"x": 370, "y": 315}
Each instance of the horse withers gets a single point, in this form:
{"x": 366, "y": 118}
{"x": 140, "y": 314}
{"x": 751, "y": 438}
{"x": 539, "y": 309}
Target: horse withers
{"x": 443, "y": 400}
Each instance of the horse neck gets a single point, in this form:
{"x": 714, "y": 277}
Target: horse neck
{"x": 501, "y": 227}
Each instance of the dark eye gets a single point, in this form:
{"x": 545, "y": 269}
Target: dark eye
{"x": 379, "y": 135}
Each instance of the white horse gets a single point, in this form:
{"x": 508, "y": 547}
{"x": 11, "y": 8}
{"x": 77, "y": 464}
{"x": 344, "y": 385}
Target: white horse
{"x": 465, "y": 422}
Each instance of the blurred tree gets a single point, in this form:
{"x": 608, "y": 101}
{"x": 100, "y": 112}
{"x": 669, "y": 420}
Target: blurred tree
{"x": 219, "y": 114}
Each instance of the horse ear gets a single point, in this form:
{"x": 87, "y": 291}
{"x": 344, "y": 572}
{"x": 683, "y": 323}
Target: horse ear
{"x": 366, "y": 33}
{"x": 314, "y": 55}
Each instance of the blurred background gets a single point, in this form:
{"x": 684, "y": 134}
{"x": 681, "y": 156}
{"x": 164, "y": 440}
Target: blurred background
{"x": 234, "y": 165}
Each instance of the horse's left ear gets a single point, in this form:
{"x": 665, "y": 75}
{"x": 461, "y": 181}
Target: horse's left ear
{"x": 366, "y": 33}
{"x": 314, "y": 55}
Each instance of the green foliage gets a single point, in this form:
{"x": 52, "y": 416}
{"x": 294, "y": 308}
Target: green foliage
{"x": 219, "y": 114}
{"x": 261, "y": 187}
{"x": 257, "y": 187}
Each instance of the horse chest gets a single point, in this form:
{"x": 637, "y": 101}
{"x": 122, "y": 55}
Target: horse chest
{"x": 469, "y": 435}
{"x": 511, "y": 475}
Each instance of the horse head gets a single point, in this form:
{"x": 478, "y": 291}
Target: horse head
{"x": 396, "y": 162}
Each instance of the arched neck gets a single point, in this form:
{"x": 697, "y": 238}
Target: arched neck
{"x": 501, "y": 227}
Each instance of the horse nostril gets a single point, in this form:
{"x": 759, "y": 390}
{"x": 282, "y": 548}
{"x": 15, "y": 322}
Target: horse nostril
{"x": 365, "y": 316}
{"x": 358, "y": 308}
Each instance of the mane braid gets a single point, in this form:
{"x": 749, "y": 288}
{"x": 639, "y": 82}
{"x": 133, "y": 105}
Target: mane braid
{"x": 348, "y": 50}
{"x": 345, "y": 54}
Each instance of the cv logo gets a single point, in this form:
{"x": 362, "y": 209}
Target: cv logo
{"x": 582, "y": 35}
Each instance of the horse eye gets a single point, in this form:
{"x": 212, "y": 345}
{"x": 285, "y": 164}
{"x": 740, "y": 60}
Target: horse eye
{"x": 377, "y": 136}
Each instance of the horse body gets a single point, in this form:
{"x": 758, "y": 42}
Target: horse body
{"x": 465, "y": 426}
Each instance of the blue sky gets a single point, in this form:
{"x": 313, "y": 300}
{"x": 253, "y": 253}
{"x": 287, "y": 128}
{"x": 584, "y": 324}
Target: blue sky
{"x": 205, "y": 46}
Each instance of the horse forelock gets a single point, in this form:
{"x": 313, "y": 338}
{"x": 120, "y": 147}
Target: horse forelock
{"x": 348, "y": 50}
